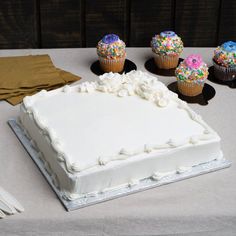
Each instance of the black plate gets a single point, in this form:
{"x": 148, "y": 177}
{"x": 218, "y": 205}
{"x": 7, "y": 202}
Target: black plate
{"x": 151, "y": 67}
{"x": 208, "y": 93}
{"x": 212, "y": 78}
{"x": 96, "y": 69}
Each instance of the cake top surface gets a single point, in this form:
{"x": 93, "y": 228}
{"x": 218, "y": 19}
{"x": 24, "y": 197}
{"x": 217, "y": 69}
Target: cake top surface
{"x": 111, "y": 47}
{"x": 167, "y": 43}
{"x": 192, "y": 69}
{"x": 225, "y": 55}
{"x": 117, "y": 118}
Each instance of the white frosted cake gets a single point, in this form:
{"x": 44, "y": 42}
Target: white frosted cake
{"x": 115, "y": 132}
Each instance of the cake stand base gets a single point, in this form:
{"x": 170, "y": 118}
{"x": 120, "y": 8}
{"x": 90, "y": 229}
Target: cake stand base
{"x": 108, "y": 195}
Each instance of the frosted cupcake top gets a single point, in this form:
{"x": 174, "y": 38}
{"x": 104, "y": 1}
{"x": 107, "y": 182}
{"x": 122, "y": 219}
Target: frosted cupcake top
{"x": 111, "y": 47}
{"x": 167, "y": 43}
{"x": 225, "y": 55}
{"x": 192, "y": 69}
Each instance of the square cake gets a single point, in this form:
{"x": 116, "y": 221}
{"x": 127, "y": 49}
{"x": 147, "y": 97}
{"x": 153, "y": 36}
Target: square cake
{"x": 100, "y": 136}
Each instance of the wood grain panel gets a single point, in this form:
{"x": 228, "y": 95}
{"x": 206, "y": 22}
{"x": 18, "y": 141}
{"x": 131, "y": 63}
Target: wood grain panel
{"x": 103, "y": 17}
{"x": 149, "y": 18}
{"x": 196, "y": 22}
{"x": 18, "y": 24}
{"x": 82, "y": 23}
{"x": 60, "y": 23}
{"x": 227, "y": 26}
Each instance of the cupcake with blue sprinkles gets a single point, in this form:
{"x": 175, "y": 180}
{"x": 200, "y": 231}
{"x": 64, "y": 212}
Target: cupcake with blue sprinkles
{"x": 224, "y": 61}
{"x": 167, "y": 47}
{"x": 191, "y": 75}
{"x": 111, "y": 53}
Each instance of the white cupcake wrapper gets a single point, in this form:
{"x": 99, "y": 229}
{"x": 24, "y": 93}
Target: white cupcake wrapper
{"x": 191, "y": 84}
{"x": 166, "y": 61}
{"x": 165, "y": 57}
{"x": 111, "y": 61}
{"x": 190, "y": 89}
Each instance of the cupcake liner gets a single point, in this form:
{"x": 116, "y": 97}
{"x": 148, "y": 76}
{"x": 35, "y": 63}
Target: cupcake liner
{"x": 190, "y": 88}
{"x": 112, "y": 65}
{"x": 224, "y": 73}
{"x": 166, "y": 61}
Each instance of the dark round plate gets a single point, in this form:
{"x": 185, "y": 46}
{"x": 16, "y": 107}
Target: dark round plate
{"x": 212, "y": 78}
{"x": 208, "y": 93}
{"x": 151, "y": 67}
{"x": 96, "y": 69}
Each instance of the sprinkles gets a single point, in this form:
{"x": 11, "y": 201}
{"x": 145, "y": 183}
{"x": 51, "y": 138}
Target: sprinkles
{"x": 111, "y": 47}
{"x": 192, "y": 69}
{"x": 167, "y": 43}
{"x": 225, "y": 55}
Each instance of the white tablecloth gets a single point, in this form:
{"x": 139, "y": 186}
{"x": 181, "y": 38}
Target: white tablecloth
{"x": 205, "y": 205}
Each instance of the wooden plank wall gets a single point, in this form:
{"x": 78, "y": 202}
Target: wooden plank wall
{"x": 81, "y": 23}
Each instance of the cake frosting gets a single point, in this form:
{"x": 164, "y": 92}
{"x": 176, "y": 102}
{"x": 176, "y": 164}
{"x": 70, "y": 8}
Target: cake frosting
{"x": 167, "y": 43}
{"x": 111, "y": 47}
{"x": 97, "y": 136}
{"x": 192, "y": 69}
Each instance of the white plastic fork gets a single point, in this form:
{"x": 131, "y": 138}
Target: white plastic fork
{"x": 8, "y": 204}
{"x": 2, "y": 215}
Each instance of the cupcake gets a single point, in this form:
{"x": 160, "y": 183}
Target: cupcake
{"x": 111, "y": 53}
{"x": 191, "y": 75}
{"x": 166, "y": 48}
{"x": 224, "y": 61}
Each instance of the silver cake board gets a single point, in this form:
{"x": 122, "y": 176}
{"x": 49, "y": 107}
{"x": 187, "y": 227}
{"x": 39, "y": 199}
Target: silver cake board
{"x": 144, "y": 184}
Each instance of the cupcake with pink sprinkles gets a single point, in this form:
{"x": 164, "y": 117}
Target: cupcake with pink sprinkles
{"x": 111, "y": 53}
{"x": 191, "y": 75}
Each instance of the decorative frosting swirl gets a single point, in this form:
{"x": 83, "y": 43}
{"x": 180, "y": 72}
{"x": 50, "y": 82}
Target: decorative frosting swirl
{"x": 167, "y": 43}
{"x": 193, "y": 61}
{"x": 229, "y": 46}
{"x": 192, "y": 69}
{"x": 225, "y": 55}
{"x": 133, "y": 83}
{"x": 110, "y": 38}
{"x": 111, "y": 47}
{"x": 168, "y": 34}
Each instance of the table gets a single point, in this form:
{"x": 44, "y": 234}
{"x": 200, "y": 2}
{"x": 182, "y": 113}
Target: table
{"x": 205, "y": 205}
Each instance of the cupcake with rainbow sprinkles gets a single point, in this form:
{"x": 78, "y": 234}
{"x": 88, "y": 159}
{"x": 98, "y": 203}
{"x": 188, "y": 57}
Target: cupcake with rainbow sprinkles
{"x": 224, "y": 61}
{"x": 191, "y": 75}
{"x": 167, "y": 47}
{"x": 111, "y": 53}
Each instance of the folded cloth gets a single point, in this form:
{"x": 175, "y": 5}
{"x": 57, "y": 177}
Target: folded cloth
{"x": 66, "y": 76}
{"x": 26, "y": 75}
{"x": 14, "y": 100}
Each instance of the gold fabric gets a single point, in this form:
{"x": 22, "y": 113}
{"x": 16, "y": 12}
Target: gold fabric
{"x": 27, "y": 75}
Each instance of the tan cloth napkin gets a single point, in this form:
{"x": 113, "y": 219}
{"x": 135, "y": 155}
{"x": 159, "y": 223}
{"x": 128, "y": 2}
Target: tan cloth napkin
{"x": 26, "y": 75}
